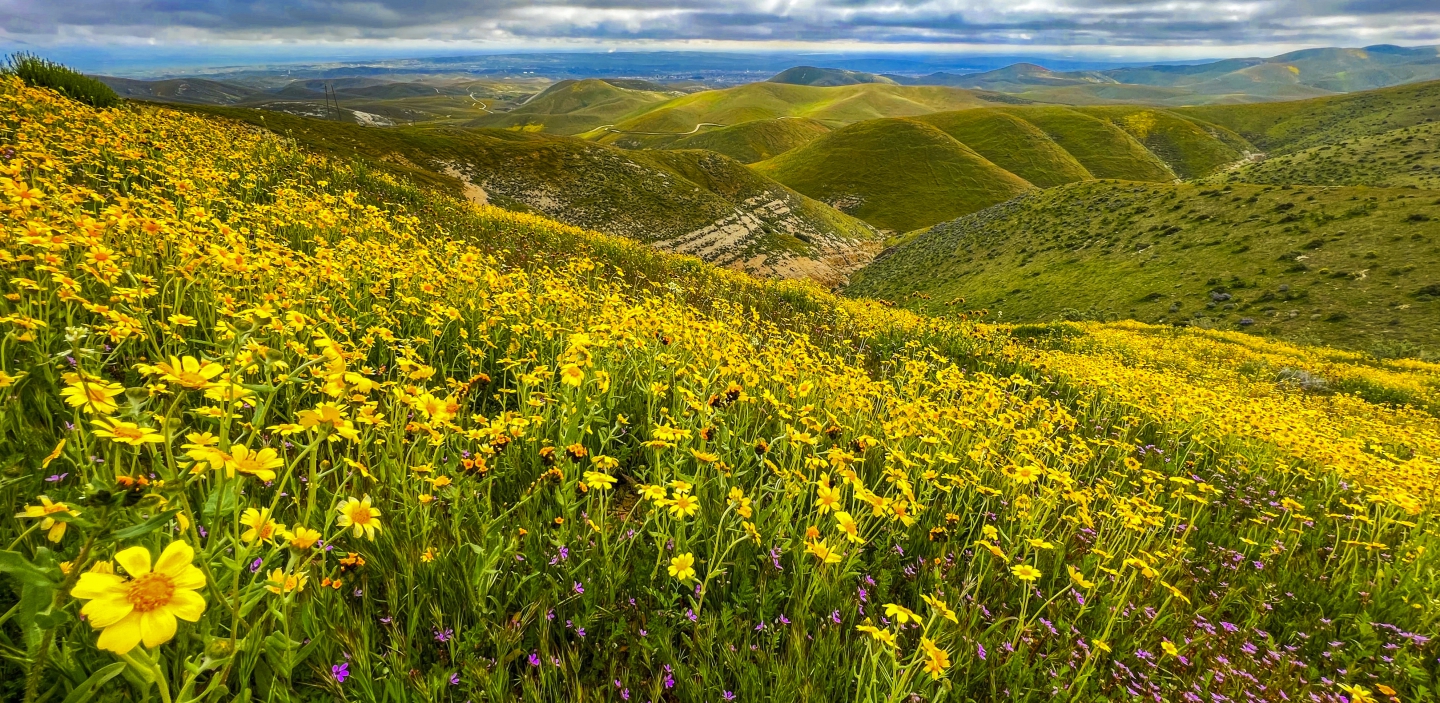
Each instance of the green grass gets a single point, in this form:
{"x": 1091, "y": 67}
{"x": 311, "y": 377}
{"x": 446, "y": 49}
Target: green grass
{"x": 1105, "y": 150}
{"x": 654, "y": 197}
{"x": 896, "y": 174}
{"x": 1011, "y": 143}
{"x": 826, "y": 77}
{"x": 1285, "y": 127}
{"x": 572, "y": 107}
{"x": 756, "y": 140}
{"x": 1408, "y": 157}
{"x": 1351, "y": 267}
{"x": 1190, "y": 148}
{"x": 834, "y": 106}
{"x": 41, "y": 73}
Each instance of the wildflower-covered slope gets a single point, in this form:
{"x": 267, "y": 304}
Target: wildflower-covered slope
{"x": 279, "y": 427}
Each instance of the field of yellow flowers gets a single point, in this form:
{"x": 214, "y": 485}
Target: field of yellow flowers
{"x": 282, "y": 428}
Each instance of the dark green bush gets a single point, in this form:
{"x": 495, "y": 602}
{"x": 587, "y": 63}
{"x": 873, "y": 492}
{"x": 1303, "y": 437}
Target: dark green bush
{"x": 42, "y": 73}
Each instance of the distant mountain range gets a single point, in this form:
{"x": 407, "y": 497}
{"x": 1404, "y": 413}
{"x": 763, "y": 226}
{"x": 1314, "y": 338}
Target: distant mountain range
{"x": 1301, "y": 74}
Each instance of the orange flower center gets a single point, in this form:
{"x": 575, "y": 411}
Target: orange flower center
{"x": 96, "y": 394}
{"x": 150, "y": 591}
{"x": 360, "y": 515}
{"x": 124, "y": 432}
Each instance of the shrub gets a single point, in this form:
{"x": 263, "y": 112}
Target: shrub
{"x": 42, "y": 73}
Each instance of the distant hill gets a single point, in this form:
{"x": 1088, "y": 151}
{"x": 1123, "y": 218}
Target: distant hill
{"x": 1296, "y": 75}
{"x": 1351, "y": 266}
{"x": 196, "y": 91}
{"x": 694, "y": 202}
{"x": 838, "y": 106}
{"x": 826, "y": 77}
{"x": 896, "y": 174}
{"x": 755, "y": 140}
{"x": 572, "y": 107}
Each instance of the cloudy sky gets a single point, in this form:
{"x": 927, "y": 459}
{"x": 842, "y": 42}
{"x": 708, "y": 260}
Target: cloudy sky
{"x": 307, "y": 29}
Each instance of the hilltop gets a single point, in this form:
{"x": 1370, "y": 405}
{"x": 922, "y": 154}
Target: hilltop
{"x": 896, "y": 174}
{"x": 752, "y": 141}
{"x": 1346, "y": 266}
{"x": 826, "y": 77}
{"x": 834, "y": 107}
{"x": 572, "y": 107}
{"x": 691, "y": 201}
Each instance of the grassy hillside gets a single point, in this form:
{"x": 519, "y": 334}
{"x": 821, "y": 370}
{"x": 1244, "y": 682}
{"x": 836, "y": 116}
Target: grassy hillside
{"x": 731, "y": 216}
{"x": 826, "y": 77}
{"x": 343, "y": 438}
{"x": 757, "y": 101}
{"x": 896, "y": 174}
{"x": 1352, "y": 267}
{"x": 756, "y": 140}
{"x": 1292, "y": 126}
{"x": 1106, "y": 151}
{"x": 1190, "y": 148}
{"x": 1408, "y": 157}
{"x": 572, "y": 107}
{"x": 1011, "y": 143}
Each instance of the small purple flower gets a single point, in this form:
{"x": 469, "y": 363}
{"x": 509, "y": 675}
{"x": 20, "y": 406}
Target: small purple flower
{"x": 57, "y": 478}
{"x": 727, "y": 695}
{"x": 690, "y": 614}
{"x": 340, "y": 671}
{"x": 578, "y": 588}
{"x": 455, "y": 679}
{"x": 980, "y": 651}
{"x": 255, "y": 565}
{"x": 784, "y": 620}
{"x": 444, "y": 635}
{"x": 534, "y": 659}
{"x": 835, "y": 616}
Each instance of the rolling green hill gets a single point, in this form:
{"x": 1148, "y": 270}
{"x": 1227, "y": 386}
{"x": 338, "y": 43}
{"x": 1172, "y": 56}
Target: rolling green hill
{"x": 826, "y": 77}
{"x": 834, "y": 107}
{"x": 572, "y": 107}
{"x": 756, "y": 140}
{"x": 1011, "y": 143}
{"x": 1408, "y": 157}
{"x": 693, "y": 202}
{"x": 1284, "y": 127}
{"x": 1188, "y": 147}
{"x": 1106, "y": 151}
{"x": 896, "y": 174}
{"x": 1350, "y": 266}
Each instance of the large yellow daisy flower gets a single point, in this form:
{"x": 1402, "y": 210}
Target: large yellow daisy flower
{"x": 143, "y": 607}
{"x": 358, "y": 514}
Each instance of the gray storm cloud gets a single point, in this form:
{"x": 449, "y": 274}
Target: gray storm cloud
{"x": 1095, "y": 22}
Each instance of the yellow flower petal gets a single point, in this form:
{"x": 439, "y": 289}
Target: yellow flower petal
{"x": 95, "y": 585}
{"x": 136, "y": 561}
{"x": 122, "y": 636}
{"x": 188, "y": 577}
{"x": 187, "y": 605}
{"x": 157, "y": 627}
{"x": 174, "y": 560}
{"x": 108, "y": 609}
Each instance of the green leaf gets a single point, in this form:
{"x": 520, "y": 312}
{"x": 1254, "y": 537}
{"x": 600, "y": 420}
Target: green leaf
{"x": 96, "y": 680}
{"x": 15, "y": 564}
{"x": 148, "y": 526}
{"x": 47, "y": 619}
